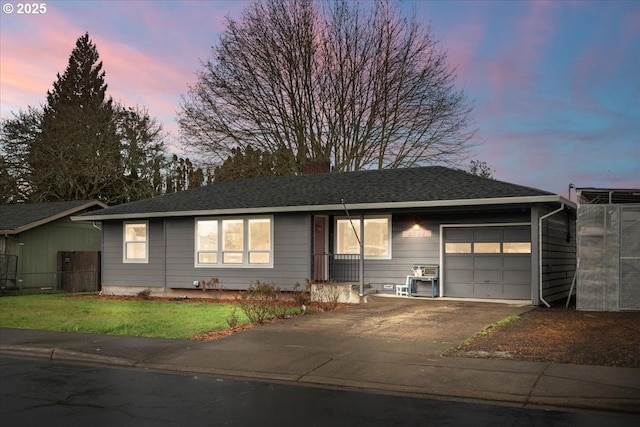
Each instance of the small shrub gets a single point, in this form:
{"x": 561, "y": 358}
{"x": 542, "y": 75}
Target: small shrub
{"x": 302, "y": 297}
{"x": 213, "y": 283}
{"x": 145, "y": 294}
{"x": 233, "y": 319}
{"x": 261, "y": 302}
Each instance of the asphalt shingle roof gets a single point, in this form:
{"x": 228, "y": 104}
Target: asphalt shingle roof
{"x": 433, "y": 183}
{"x": 21, "y": 215}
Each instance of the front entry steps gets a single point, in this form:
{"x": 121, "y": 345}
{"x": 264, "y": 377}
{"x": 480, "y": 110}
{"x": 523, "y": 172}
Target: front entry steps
{"x": 348, "y": 293}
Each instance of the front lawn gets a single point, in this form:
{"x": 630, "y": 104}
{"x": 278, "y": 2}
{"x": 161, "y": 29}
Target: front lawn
{"x": 142, "y": 318}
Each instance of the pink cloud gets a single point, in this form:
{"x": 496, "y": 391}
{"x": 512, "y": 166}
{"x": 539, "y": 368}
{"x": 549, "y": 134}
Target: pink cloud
{"x": 461, "y": 50}
{"x": 32, "y": 54}
{"x": 514, "y": 70}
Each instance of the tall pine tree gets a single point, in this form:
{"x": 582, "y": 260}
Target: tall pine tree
{"x": 77, "y": 155}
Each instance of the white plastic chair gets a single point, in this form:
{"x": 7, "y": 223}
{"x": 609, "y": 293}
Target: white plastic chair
{"x": 402, "y": 290}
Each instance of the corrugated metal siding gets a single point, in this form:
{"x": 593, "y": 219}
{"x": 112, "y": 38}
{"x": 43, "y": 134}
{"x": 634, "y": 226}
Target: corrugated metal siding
{"x": 609, "y": 252}
{"x": 558, "y": 255}
{"x": 630, "y": 258}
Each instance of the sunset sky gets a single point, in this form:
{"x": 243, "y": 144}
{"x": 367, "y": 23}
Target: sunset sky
{"x": 556, "y": 85}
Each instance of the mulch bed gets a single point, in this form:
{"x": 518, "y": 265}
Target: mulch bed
{"x": 564, "y": 336}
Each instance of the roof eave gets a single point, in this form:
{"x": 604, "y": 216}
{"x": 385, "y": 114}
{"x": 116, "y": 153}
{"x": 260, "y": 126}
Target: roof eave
{"x": 55, "y": 217}
{"x": 551, "y": 198}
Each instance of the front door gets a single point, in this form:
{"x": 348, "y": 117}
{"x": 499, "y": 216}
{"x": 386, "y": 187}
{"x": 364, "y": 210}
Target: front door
{"x": 320, "y": 249}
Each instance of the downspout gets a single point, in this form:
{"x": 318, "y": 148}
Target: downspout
{"x": 164, "y": 237}
{"x": 560, "y": 209}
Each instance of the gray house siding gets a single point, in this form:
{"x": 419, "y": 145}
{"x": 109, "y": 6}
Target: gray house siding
{"x": 115, "y": 272}
{"x": 171, "y": 262}
{"x": 558, "y": 255}
{"x": 291, "y": 262}
{"x": 406, "y": 252}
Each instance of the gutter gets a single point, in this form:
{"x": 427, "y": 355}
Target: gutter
{"x": 552, "y": 198}
{"x": 560, "y": 209}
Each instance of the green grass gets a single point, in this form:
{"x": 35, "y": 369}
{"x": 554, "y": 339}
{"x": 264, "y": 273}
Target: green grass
{"x": 143, "y": 318}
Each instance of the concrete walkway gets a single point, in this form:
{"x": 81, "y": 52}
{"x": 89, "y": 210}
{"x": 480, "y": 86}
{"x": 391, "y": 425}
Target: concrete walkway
{"x": 389, "y": 344}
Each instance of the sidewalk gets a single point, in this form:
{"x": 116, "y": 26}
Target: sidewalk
{"x": 329, "y": 349}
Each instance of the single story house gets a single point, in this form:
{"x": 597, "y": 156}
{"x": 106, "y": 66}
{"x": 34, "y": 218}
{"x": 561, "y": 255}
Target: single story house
{"x": 488, "y": 239}
{"x": 32, "y": 236}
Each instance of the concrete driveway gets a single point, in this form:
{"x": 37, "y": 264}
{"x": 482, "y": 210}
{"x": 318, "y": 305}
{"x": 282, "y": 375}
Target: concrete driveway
{"x": 425, "y": 326}
{"x": 439, "y": 324}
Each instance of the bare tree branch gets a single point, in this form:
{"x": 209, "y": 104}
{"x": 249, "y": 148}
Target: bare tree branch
{"x": 356, "y": 84}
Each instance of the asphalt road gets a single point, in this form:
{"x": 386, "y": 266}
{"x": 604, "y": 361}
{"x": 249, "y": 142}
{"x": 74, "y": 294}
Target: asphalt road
{"x": 36, "y": 393}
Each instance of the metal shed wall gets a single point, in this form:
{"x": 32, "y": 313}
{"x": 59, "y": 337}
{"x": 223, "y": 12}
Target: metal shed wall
{"x": 609, "y": 253}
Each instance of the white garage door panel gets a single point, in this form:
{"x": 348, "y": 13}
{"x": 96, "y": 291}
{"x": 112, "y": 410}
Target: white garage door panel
{"x": 487, "y": 275}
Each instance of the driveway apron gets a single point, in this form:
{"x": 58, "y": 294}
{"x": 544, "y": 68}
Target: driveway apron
{"x": 385, "y": 331}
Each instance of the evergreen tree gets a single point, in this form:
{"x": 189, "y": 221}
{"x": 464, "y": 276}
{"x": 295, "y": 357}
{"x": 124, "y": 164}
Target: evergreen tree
{"x": 143, "y": 158}
{"x": 77, "y": 154}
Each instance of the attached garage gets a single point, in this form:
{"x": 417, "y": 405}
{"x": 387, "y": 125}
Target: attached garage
{"x": 487, "y": 262}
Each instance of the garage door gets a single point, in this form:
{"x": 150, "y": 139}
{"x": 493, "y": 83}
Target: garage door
{"x": 487, "y": 262}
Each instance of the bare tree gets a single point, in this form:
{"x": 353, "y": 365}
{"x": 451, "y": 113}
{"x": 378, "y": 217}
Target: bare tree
{"x": 479, "y": 168}
{"x": 355, "y": 84}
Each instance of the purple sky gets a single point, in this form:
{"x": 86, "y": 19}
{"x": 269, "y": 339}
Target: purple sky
{"x": 556, "y": 85}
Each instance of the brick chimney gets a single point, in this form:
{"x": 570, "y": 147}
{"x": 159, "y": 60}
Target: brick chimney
{"x": 316, "y": 166}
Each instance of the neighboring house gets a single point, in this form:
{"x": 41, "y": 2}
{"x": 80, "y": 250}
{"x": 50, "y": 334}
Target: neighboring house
{"x": 490, "y": 239}
{"x": 33, "y": 235}
{"x": 608, "y": 276}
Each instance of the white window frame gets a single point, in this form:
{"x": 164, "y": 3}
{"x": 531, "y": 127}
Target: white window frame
{"x": 246, "y": 251}
{"x": 125, "y": 258}
{"x": 356, "y": 224}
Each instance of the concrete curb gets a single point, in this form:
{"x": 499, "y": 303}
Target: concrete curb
{"x": 59, "y": 354}
{"x": 557, "y": 402}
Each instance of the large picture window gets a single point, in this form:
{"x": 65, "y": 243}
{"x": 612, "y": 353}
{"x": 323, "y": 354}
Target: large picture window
{"x": 376, "y": 237}
{"x": 136, "y": 242}
{"x": 234, "y": 242}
